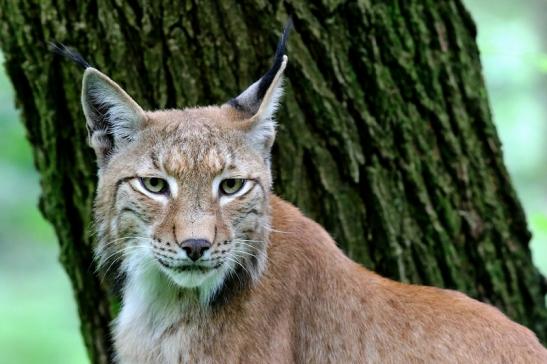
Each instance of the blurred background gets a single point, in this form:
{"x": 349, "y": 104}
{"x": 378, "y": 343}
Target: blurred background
{"x": 37, "y": 314}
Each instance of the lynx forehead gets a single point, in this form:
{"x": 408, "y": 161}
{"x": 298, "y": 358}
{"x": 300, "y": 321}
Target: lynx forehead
{"x": 201, "y": 141}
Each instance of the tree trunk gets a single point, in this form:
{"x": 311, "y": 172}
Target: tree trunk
{"x": 385, "y": 134}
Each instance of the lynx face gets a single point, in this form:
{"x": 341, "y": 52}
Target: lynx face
{"x": 187, "y": 196}
{"x": 183, "y": 194}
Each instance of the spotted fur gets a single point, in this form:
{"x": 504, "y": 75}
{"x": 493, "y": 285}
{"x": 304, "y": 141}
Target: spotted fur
{"x": 273, "y": 287}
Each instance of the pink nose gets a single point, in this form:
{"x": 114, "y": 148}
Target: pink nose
{"x": 195, "y": 248}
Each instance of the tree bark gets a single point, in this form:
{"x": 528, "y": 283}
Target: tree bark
{"x": 385, "y": 133}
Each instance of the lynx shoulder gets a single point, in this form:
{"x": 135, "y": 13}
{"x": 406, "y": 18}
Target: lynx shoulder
{"x": 217, "y": 269}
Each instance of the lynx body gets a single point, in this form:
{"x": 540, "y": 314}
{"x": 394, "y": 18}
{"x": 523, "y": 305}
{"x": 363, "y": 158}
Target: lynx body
{"x": 312, "y": 304}
{"x": 217, "y": 269}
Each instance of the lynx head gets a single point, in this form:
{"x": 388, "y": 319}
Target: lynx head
{"x": 183, "y": 195}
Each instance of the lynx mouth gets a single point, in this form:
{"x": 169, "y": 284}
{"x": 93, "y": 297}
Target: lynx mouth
{"x": 193, "y": 268}
{"x": 188, "y": 268}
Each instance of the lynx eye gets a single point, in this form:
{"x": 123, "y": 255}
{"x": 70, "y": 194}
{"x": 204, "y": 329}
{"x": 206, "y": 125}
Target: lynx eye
{"x": 231, "y": 186}
{"x": 154, "y": 184}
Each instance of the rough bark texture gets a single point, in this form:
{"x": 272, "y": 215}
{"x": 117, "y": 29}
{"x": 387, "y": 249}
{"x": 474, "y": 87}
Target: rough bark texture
{"x": 385, "y": 134}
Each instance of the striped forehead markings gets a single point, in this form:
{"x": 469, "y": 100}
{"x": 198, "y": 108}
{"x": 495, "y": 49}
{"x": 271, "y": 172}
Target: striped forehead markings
{"x": 154, "y": 158}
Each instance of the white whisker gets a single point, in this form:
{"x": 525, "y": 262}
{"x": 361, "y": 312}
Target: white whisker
{"x": 234, "y": 259}
{"x": 122, "y": 254}
{"x": 244, "y": 252}
{"x": 247, "y": 245}
{"x": 269, "y": 228}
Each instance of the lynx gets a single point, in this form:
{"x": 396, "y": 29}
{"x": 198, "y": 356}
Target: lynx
{"x": 217, "y": 269}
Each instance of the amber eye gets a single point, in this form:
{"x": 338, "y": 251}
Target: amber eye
{"x": 231, "y": 186}
{"x": 154, "y": 184}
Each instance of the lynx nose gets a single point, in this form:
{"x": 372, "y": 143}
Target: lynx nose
{"x": 195, "y": 248}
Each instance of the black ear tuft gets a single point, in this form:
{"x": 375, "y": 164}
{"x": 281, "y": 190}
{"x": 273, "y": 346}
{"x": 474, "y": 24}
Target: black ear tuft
{"x": 250, "y": 101}
{"x": 74, "y": 56}
{"x": 267, "y": 79}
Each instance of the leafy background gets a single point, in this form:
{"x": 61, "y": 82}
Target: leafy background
{"x": 37, "y": 314}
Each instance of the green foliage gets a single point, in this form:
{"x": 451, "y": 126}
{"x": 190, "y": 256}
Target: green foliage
{"x": 39, "y": 321}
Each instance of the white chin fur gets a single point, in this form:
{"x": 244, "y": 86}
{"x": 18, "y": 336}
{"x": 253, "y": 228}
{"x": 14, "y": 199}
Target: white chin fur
{"x": 192, "y": 279}
{"x": 206, "y": 283}
{"x": 149, "y": 282}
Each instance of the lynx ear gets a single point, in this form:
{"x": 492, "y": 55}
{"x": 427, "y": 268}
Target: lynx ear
{"x": 260, "y": 100}
{"x": 113, "y": 118}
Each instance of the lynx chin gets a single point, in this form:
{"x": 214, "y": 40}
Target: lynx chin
{"x": 214, "y": 268}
